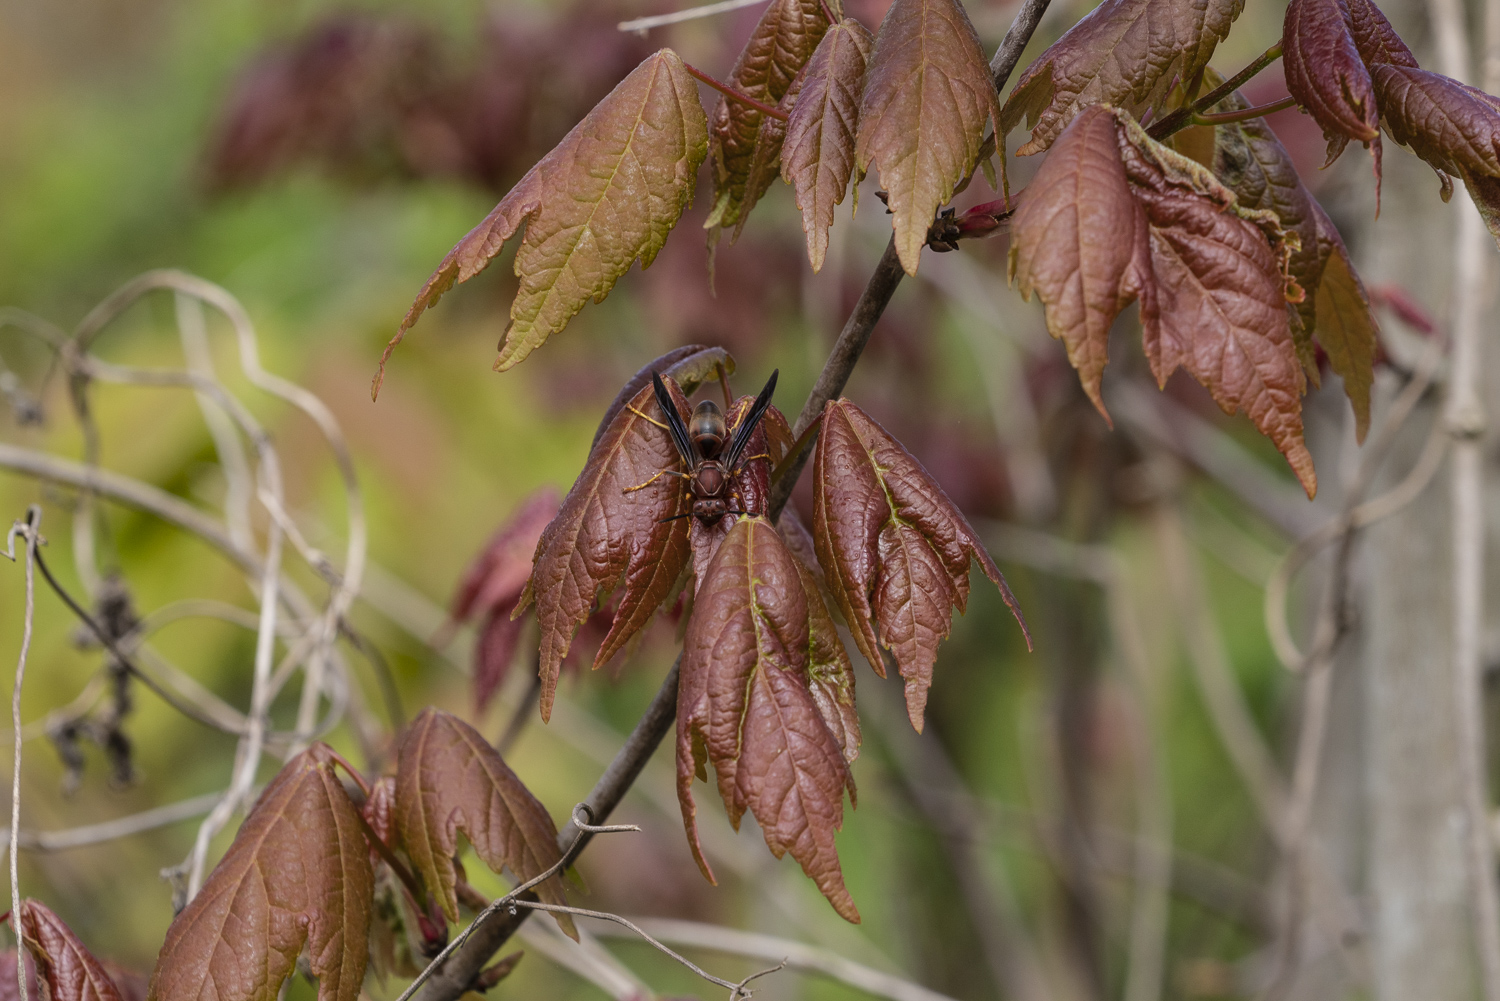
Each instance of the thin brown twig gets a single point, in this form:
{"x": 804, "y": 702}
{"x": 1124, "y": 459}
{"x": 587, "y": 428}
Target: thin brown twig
{"x": 736, "y": 95}
{"x": 1183, "y": 117}
{"x": 1245, "y": 115}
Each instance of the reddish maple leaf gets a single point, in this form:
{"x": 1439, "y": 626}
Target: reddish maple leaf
{"x": 1112, "y": 216}
{"x": 449, "y": 779}
{"x": 894, "y": 548}
{"x": 297, "y": 876}
{"x": 493, "y": 584}
{"x": 611, "y": 529}
{"x": 928, "y": 95}
{"x": 778, "y": 48}
{"x": 817, "y": 156}
{"x": 1125, "y": 53}
{"x": 1333, "y": 307}
{"x": 744, "y": 704}
{"x": 68, "y": 971}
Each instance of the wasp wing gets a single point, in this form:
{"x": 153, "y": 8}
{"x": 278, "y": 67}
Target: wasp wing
{"x": 675, "y": 426}
{"x": 752, "y": 418}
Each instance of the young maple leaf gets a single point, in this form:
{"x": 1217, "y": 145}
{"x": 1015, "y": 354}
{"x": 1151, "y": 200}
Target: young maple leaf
{"x": 607, "y": 195}
{"x": 1113, "y": 216}
{"x": 1125, "y": 53}
{"x": 449, "y": 779}
{"x": 493, "y": 584}
{"x": 1326, "y": 47}
{"x": 68, "y": 971}
{"x": 1455, "y": 128}
{"x": 297, "y": 876}
{"x": 894, "y": 548}
{"x": 1252, "y": 163}
{"x": 928, "y": 95}
{"x": 778, "y": 48}
{"x": 1348, "y": 68}
{"x": 744, "y": 704}
{"x": 817, "y": 155}
{"x": 607, "y": 532}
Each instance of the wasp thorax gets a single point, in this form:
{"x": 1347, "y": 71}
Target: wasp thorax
{"x": 710, "y": 479}
{"x": 707, "y": 429}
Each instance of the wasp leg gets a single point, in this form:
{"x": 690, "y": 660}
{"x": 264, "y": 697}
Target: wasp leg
{"x": 647, "y": 417}
{"x": 749, "y": 458}
{"x": 664, "y": 472}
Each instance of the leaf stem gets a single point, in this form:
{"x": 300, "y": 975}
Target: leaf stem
{"x": 1230, "y": 117}
{"x": 828, "y": 13}
{"x": 735, "y": 95}
{"x": 1183, "y": 117}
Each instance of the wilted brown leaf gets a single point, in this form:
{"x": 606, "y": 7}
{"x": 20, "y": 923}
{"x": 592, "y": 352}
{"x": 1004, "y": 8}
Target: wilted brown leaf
{"x": 744, "y": 705}
{"x": 1346, "y": 325}
{"x": 1208, "y": 272}
{"x": 606, "y": 533}
{"x": 1126, "y": 53}
{"x": 607, "y": 195}
{"x": 449, "y": 779}
{"x": 1252, "y": 163}
{"x": 298, "y": 874}
{"x": 778, "y": 48}
{"x": 894, "y": 548}
{"x": 817, "y": 156}
{"x": 928, "y": 94}
{"x": 68, "y": 971}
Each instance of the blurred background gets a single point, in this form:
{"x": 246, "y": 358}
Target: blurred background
{"x": 1106, "y": 817}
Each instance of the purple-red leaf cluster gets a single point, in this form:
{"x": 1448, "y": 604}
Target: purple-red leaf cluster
{"x": 745, "y": 704}
{"x": 1347, "y": 67}
{"x": 1113, "y": 216}
{"x": 895, "y": 549}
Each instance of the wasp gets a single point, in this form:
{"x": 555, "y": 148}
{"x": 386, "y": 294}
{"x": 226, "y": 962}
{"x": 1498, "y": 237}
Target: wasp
{"x": 711, "y": 455}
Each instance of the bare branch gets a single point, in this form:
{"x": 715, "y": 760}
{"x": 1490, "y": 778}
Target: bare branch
{"x": 28, "y": 529}
{"x": 798, "y": 956}
{"x": 645, "y": 24}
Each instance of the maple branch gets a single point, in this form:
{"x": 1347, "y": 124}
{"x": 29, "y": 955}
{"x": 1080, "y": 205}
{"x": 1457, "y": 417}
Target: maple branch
{"x": 28, "y": 530}
{"x": 1183, "y": 117}
{"x": 1230, "y": 117}
{"x": 735, "y": 95}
